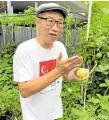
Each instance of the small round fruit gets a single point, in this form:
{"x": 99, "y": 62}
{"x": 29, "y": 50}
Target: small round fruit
{"x": 82, "y": 73}
{"x": 99, "y": 55}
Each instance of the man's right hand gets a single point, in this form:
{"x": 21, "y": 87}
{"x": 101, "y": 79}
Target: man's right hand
{"x": 64, "y": 66}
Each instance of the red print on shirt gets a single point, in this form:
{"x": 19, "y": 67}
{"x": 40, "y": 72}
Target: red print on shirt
{"x": 47, "y": 66}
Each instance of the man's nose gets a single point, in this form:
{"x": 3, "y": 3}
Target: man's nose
{"x": 55, "y": 27}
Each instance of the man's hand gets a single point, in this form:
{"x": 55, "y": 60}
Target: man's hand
{"x": 72, "y": 75}
{"x": 64, "y": 66}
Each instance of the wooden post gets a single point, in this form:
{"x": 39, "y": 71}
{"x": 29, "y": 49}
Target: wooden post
{"x": 87, "y": 37}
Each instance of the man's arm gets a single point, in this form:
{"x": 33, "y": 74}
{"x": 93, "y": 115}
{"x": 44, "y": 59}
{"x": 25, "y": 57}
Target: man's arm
{"x": 37, "y": 84}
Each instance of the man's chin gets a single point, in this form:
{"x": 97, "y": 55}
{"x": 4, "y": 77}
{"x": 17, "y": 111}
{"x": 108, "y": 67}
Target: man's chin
{"x": 52, "y": 39}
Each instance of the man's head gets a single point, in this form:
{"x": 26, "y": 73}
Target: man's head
{"x": 52, "y": 7}
{"x": 50, "y": 21}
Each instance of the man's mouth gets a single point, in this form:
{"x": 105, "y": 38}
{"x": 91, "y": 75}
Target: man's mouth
{"x": 53, "y": 34}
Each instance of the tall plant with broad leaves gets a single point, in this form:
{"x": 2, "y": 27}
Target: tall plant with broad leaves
{"x": 94, "y": 51}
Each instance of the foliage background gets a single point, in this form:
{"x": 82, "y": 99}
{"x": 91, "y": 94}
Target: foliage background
{"x": 90, "y": 100}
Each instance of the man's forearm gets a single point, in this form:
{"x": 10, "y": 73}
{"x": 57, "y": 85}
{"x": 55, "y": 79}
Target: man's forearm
{"x": 37, "y": 84}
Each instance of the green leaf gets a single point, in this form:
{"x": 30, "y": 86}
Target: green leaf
{"x": 103, "y": 67}
{"x": 107, "y": 54}
{"x": 64, "y": 94}
{"x": 77, "y": 95}
{"x": 102, "y": 117}
{"x": 94, "y": 100}
{"x": 75, "y": 88}
{"x": 1, "y": 70}
{"x": 103, "y": 85}
{"x": 107, "y": 82}
{"x": 99, "y": 96}
{"x": 105, "y": 105}
{"x": 104, "y": 98}
{"x": 7, "y": 56}
{"x": 69, "y": 90}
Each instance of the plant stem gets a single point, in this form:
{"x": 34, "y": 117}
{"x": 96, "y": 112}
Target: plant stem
{"x": 106, "y": 91}
{"x": 91, "y": 71}
{"x": 85, "y": 89}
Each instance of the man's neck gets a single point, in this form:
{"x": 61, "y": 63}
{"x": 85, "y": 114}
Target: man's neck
{"x": 44, "y": 44}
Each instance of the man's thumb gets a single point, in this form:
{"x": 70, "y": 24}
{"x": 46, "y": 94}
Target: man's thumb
{"x": 59, "y": 57}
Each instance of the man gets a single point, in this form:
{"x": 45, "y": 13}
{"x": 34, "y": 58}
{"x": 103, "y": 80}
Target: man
{"x": 40, "y": 63}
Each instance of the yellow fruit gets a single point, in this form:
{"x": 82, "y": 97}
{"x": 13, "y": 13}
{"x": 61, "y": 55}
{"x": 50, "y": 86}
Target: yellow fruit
{"x": 82, "y": 73}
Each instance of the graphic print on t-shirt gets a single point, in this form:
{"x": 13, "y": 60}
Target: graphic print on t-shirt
{"x": 45, "y": 67}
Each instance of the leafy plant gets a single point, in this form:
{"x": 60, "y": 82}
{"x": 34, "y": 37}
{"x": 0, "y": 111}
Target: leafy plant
{"x": 9, "y": 96}
{"x": 26, "y": 18}
{"x": 96, "y": 99}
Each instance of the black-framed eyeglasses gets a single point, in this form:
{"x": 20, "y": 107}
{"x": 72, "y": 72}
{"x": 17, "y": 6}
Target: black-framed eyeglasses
{"x": 51, "y": 22}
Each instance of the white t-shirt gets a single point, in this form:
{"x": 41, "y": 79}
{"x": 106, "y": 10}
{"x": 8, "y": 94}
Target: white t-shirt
{"x": 32, "y": 61}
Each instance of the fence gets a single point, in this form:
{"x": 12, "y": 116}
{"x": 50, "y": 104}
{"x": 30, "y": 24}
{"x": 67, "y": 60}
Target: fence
{"x": 20, "y": 34}
{"x": 17, "y": 34}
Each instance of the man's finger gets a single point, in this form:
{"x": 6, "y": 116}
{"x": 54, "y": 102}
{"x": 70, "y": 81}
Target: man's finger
{"x": 71, "y": 59}
{"x": 74, "y": 59}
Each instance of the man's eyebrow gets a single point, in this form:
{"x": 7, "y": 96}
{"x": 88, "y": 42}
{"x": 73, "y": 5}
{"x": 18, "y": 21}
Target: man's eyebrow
{"x": 54, "y": 18}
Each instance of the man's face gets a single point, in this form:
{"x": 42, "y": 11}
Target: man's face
{"x": 50, "y": 25}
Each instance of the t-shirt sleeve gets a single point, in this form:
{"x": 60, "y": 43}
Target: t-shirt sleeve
{"x": 64, "y": 52}
{"x": 22, "y": 67}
